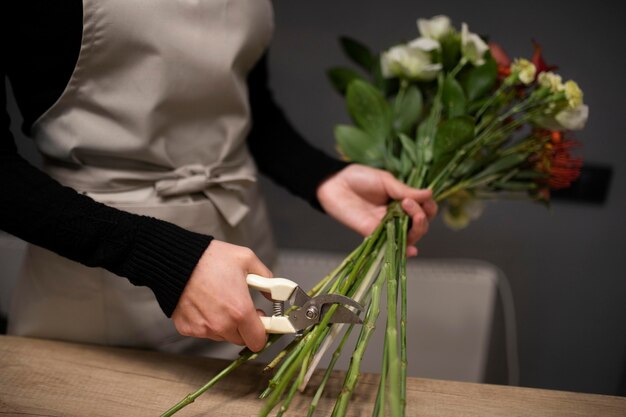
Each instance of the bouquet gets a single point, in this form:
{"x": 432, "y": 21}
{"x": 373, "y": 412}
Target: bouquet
{"x": 448, "y": 112}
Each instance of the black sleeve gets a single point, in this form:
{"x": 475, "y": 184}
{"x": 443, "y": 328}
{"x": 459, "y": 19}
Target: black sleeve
{"x": 41, "y": 211}
{"x": 279, "y": 150}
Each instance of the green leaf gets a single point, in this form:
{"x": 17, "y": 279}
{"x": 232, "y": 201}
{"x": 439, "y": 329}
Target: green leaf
{"x": 405, "y": 164}
{"x": 450, "y": 50}
{"x": 340, "y": 78}
{"x": 481, "y": 80}
{"x": 408, "y": 146}
{"x": 424, "y": 143}
{"x": 516, "y": 186}
{"x": 358, "y": 53}
{"x": 356, "y": 145}
{"x": 451, "y": 135}
{"x": 407, "y": 109}
{"x": 466, "y": 167}
{"x": 369, "y": 109}
{"x": 393, "y": 165}
{"x": 530, "y": 175}
{"x": 503, "y": 164}
{"x": 453, "y": 98}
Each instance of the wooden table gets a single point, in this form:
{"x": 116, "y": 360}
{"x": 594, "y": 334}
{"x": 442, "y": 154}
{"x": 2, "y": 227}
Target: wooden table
{"x": 48, "y": 378}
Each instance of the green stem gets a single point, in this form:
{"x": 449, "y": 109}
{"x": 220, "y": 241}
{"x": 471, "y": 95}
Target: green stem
{"x": 327, "y": 374}
{"x": 359, "y": 293}
{"x": 391, "y": 337}
{"x": 352, "y": 375}
{"x": 379, "y": 405}
{"x": 403, "y": 311}
{"x": 287, "y": 363}
{"x": 244, "y": 357}
{"x": 507, "y": 83}
{"x": 292, "y": 391}
{"x": 458, "y": 67}
{"x": 350, "y": 259}
{"x": 281, "y": 355}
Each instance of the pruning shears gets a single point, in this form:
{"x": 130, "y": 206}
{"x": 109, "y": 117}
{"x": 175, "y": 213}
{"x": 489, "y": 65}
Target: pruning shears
{"x": 309, "y": 311}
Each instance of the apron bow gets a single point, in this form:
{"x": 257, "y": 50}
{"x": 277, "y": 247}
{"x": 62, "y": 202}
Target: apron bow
{"x": 224, "y": 189}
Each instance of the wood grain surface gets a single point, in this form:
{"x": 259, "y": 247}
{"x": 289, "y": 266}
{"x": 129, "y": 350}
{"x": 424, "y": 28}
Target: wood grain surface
{"x": 50, "y": 378}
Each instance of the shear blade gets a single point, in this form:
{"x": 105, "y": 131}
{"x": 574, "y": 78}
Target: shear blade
{"x": 341, "y": 315}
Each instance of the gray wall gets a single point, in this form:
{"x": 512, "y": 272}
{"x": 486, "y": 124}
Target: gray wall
{"x": 564, "y": 264}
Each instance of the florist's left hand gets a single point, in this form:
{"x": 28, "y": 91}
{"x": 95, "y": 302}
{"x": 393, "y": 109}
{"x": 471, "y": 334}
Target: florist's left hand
{"x": 357, "y": 196}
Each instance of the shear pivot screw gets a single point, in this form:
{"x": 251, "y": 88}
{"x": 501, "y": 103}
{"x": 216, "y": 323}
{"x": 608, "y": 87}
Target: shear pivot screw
{"x": 312, "y": 313}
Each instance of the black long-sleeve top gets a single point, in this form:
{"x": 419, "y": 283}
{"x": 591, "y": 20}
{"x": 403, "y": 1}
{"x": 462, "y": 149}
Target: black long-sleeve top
{"x": 40, "y": 46}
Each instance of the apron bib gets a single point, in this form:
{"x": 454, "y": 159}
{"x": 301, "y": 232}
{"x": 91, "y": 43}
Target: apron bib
{"x": 153, "y": 121}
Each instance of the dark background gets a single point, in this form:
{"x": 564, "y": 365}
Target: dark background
{"x": 565, "y": 264}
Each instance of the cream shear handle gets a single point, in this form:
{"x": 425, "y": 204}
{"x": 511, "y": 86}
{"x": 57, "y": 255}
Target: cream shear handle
{"x": 280, "y": 289}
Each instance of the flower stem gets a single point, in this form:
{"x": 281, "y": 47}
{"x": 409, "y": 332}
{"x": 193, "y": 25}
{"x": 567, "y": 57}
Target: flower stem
{"x": 352, "y": 375}
{"x": 327, "y": 374}
{"x": 244, "y": 357}
{"x": 391, "y": 337}
{"x": 359, "y": 293}
{"x": 379, "y": 405}
{"x": 403, "y": 310}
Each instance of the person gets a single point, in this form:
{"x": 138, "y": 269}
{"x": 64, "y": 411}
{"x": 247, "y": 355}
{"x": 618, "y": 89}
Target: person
{"x": 152, "y": 119}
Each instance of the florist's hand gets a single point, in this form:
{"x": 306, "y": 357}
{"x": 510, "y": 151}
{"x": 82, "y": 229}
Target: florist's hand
{"x": 216, "y": 303}
{"x": 358, "y": 195}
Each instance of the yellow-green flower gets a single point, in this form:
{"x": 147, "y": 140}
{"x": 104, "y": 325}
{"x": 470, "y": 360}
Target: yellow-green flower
{"x": 574, "y": 94}
{"x": 552, "y": 81}
{"x": 524, "y": 69}
{"x": 460, "y": 209}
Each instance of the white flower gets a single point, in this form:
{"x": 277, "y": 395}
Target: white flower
{"x": 472, "y": 46}
{"x": 434, "y": 28}
{"x": 525, "y": 70}
{"x": 573, "y": 118}
{"x": 552, "y": 81}
{"x": 425, "y": 44}
{"x": 412, "y": 60}
{"x": 566, "y": 119}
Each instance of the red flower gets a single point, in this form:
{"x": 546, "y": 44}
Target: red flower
{"x": 538, "y": 60}
{"x": 556, "y": 161}
{"x": 502, "y": 59}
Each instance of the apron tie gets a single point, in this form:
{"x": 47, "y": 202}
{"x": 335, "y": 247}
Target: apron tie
{"x": 225, "y": 190}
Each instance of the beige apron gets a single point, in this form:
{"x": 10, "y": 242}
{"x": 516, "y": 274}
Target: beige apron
{"x": 153, "y": 121}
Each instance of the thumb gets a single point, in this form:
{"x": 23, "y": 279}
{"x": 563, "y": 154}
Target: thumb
{"x": 398, "y": 190}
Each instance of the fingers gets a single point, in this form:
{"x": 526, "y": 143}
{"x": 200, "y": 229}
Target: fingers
{"x": 397, "y": 190}
{"x": 216, "y": 302}
{"x": 253, "y": 333}
{"x": 430, "y": 208}
{"x": 419, "y": 220}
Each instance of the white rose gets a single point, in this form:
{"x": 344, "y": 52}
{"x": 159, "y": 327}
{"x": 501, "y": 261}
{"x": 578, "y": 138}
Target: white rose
{"x": 472, "y": 46}
{"x": 412, "y": 60}
{"x": 434, "y": 28}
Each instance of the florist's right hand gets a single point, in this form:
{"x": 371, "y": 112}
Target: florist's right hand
{"x": 216, "y": 303}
